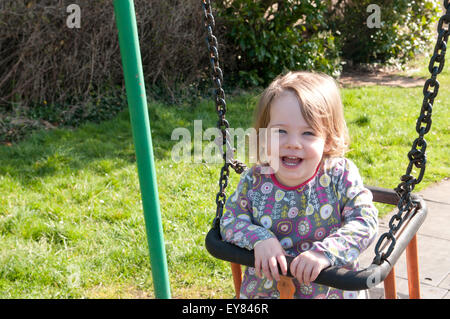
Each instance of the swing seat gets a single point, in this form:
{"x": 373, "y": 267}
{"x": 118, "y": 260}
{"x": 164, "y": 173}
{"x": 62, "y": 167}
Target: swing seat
{"x": 338, "y": 277}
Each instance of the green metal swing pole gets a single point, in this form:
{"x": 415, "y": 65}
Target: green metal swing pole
{"x": 137, "y": 104}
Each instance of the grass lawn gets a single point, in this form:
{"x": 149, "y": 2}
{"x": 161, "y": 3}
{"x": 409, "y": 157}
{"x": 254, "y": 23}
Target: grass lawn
{"x": 71, "y": 221}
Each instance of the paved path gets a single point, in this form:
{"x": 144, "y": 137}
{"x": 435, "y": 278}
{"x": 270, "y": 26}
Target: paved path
{"x": 433, "y": 248}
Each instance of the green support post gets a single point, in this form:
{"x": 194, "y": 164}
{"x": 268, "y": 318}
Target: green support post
{"x": 137, "y": 104}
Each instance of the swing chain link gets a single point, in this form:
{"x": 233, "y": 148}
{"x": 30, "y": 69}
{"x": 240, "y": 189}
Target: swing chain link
{"x": 417, "y": 154}
{"x": 221, "y": 109}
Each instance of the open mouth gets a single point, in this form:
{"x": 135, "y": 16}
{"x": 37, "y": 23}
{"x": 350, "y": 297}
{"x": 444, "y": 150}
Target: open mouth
{"x": 291, "y": 161}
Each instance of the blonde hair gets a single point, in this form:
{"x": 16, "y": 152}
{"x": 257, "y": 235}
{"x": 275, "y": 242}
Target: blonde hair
{"x": 320, "y": 104}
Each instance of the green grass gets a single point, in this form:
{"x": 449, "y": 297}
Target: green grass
{"x": 71, "y": 221}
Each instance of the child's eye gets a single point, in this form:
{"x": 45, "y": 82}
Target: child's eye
{"x": 280, "y": 131}
{"x": 310, "y": 133}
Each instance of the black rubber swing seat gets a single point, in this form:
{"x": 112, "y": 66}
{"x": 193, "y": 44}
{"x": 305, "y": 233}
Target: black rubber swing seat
{"x": 338, "y": 277}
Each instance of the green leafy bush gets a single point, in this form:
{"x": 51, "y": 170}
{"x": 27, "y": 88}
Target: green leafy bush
{"x": 269, "y": 37}
{"x": 405, "y": 29}
{"x": 263, "y": 38}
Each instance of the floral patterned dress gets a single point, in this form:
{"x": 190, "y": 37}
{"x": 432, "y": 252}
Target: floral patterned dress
{"x": 332, "y": 213}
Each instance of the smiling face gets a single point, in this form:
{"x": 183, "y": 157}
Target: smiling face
{"x": 294, "y": 149}
{"x": 317, "y": 97}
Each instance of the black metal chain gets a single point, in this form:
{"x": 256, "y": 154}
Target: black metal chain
{"x": 222, "y": 123}
{"x": 417, "y": 154}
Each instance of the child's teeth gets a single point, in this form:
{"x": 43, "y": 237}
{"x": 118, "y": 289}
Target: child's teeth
{"x": 291, "y": 160}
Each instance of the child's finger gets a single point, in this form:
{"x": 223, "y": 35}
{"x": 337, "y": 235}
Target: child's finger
{"x": 293, "y": 267}
{"x": 283, "y": 264}
{"x": 300, "y": 270}
{"x": 274, "y": 268}
{"x": 266, "y": 269}
{"x": 258, "y": 267}
{"x": 307, "y": 273}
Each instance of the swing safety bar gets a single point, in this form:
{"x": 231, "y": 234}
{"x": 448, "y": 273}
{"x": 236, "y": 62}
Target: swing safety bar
{"x": 339, "y": 277}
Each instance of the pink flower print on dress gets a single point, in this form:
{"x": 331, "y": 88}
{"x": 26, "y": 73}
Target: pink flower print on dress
{"x": 306, "y": 290}
{"x": 266, "y": 188}
{"x": 279, "y": 195}
{"x": 303, "y": 246}
{"x": 266, "y": 221}
{"x": 284, "y": 227}
{"x": 303, "y": 227}
{"x": 243, "y": 203}
{"x": 350, "y": 294}
{"x": 337, "y": 170}
{"x": 293, "y": 212}
{"x": 286, "y": 242}
{"x": 324, "y": 180}
{"x": 326, "y": 211}
{"x": 335, "y": 294}
{"x": 309, "y": 210}
{"x": 319, "y": 233}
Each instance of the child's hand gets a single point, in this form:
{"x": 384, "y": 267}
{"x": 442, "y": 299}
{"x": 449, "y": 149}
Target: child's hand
{"x": 267, "y": 254}
{"x": 308, "y": 265}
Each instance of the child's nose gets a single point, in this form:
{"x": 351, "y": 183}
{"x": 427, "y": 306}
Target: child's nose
{"x": 293, "y": 142}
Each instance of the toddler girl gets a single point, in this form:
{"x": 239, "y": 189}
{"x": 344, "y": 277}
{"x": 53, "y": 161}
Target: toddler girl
{"x": 302, "y": 198}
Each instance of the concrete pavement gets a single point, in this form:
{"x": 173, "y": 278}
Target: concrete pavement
{"x": 433, "y": 241}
